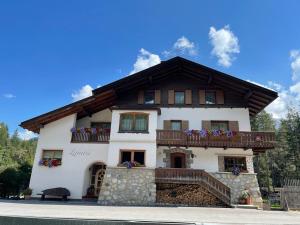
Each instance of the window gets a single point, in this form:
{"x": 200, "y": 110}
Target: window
{"x": 179, "y": 97}
{"x": 176, "y": 125}
{"x": 149, "y": 97}
{"x": 231, "y": 162}
{"x": 52, "y": 155}
{"x": 133, "y": 156}
{"x": 134, "y": 122}
{"x": 219, "y": 125}
{"x": 210, "y": 97}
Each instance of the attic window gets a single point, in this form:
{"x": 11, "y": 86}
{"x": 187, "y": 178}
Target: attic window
{"x": 149, "y": 97}
{"x": 210, "y": 97}
{"x": 179, "y": 97}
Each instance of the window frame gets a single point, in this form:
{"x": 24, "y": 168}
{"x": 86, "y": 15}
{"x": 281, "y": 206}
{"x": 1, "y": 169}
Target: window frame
{"x": 219, "y": 121}
{"x": 215, "y": 96}
{"x": 147, "y": 92}
{"x": 179, "y": 91}
{"x": 131, "y": 156}
{"x": 52, "y": 150}
{"x": 242, "y": 169}
{"x": 176, "y": 121}
{"x": 134, "y": 114}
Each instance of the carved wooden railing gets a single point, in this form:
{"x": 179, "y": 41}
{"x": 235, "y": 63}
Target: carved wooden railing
{"x": 193, "y": 176}
{"x": 100, "y": 137}
{"x": 242, "y": 139}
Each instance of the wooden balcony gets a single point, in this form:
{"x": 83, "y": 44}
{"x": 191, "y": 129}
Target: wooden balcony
{"x": 193, "y": 176}
{"x": 101, "y": 137}
{"x": 258, "y": 141}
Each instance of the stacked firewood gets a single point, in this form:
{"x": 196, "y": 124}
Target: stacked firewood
{"x": 185, "y": 194}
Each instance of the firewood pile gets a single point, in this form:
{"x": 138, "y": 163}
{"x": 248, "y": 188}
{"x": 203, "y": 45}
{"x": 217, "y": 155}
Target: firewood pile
{"x": 186, "y": 194}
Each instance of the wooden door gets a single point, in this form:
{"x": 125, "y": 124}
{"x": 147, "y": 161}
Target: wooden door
{"x": 99, "y": 179}
{"x": 178, "y": 160}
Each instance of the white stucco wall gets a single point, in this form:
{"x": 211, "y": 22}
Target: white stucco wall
{"x": 133, "y": 141}
{"x": 76, "y": 159}
{"x": 196, "y": 115}
{"x": 207, "y": 159}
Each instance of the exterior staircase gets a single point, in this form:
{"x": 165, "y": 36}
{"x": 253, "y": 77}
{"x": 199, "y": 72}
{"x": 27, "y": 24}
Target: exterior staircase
{"x": 194, "y": 177}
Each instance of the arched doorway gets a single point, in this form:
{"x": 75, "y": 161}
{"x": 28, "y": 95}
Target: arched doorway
{"x": 178, "y": 160}
{"x": 97, "y": 175}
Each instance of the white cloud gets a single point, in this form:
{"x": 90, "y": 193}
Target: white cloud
{"x": 145, "y": 60}
{"x": 182, "y": 46}
{"x": 225, "y": 45}
{"x": 295, "y": 64}
{"x": 83, "y": 92}
{"x": 295, "y": 89}
{"x": 9, "y": 95}
{"x": 26, "y": 134}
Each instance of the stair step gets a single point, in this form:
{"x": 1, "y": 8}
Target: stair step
{"x": 245, "y": 206}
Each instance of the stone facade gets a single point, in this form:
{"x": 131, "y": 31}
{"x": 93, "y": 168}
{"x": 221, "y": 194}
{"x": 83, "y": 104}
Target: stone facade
{"x": 122, "y": 186}
{"x": 239, "y": 183}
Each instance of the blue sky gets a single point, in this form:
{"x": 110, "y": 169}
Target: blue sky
{"x": 50, "y": 50}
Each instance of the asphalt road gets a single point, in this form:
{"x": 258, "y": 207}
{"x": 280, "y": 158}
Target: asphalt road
{"x": 164, "y": 214}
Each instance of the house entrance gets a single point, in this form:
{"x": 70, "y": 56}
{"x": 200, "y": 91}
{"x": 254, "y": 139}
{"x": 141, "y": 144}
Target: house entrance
{"x": 97, "y": 176}
{"x": 178, "y": 160}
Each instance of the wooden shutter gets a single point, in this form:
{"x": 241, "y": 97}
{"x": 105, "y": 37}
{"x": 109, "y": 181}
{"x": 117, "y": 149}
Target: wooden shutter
{"x": 167, "y": 125}
{"x": 206, "y": 124}
{"x": 141, "y": 97}
{"x": 171, "y": 97}
{"x": 221, "y": 163}
{"x": 201, "y": 97}
{"x": 185, "y": 124}
{"x": 157, "y": 97}
{"x": 188, "y": 97}
{"x": 234, "y": 125}
{"x": 220, "y": 97}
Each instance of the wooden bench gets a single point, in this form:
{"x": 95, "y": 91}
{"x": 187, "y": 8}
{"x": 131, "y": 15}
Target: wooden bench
{"x": 57, "y": 192}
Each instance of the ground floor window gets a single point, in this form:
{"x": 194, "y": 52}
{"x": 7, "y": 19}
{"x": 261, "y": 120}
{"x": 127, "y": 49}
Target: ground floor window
{"x": 133, "y": 156}
{"x": 51, "y": 158}
{"x": 231, "y": 162}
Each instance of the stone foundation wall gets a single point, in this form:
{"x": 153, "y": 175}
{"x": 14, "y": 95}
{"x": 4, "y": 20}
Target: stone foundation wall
{"x": 239, "y": 183}
{"x": 122, "y": 186}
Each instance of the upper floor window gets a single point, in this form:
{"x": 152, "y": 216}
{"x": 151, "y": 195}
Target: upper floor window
{"x": 101, "y": 125}
{"x": 134, "y": 122}
{"x": 149, "y": 97}
{"x": 179, "y": 97}
{"x": 210, "y": 97}
{"x": 176, "y": 125}
{"x": 219, "y": 125}
{"x": 231, "y": 162}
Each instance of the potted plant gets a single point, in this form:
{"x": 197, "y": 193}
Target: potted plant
{"x": 27, "y": 193}
{"x": 245, "y": 197}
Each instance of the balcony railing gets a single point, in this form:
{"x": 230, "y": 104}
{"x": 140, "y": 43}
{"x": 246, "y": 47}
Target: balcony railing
{"x": 89, "y": 137}
{"x": 241, "y": 139}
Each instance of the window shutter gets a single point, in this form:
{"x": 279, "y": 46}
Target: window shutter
{"x": 171, "y": 97}
{"x": 188, "y": 97}
{"x": 233, "y": 125}
{"x": 157, "y": 97}
{"x": 206, "y": 124}
{"x": 141, "y": 97}
{"x": 185, "y": 124}
{"x": 167, "y": 125}
{"x": 201, "y": 97}
{"x": 220, "y": 97}
{"x": 221, "y": 163}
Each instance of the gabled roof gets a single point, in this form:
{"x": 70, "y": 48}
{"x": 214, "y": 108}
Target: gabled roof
{"x": 257, "y": 97}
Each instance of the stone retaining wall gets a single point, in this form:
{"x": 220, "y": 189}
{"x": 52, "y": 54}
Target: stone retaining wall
{"x": 122, "y": 186}
{"x": 239, "y": 183}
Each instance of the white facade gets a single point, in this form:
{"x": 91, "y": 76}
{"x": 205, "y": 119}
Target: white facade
{"x": 77, "y": 158}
